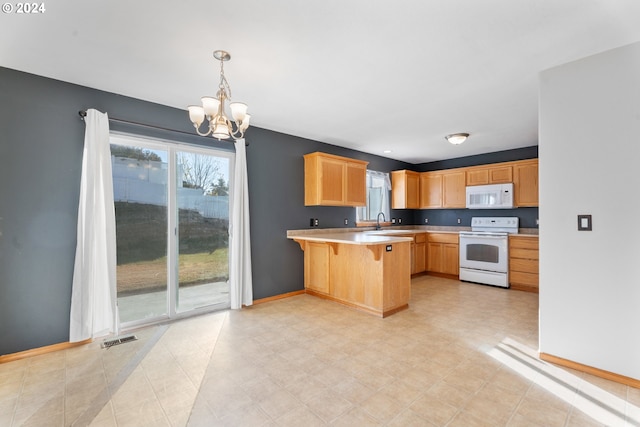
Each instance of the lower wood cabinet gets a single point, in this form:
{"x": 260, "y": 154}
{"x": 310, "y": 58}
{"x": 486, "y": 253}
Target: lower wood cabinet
{"x": 523, "y": 263}
{"x": 419, "y": 264}
{"x": 371, "y": 277}
{"x": 443, "y": 253}
{"x": 418, "y": 251}
{"x": 316, "y": 267}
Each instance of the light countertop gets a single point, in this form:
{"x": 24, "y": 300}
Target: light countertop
{"x": 350, "y": 238}
{"x": 394, "y": 230}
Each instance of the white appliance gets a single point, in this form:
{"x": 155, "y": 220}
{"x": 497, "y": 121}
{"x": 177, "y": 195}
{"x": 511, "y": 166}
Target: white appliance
{"x": 484, "y": 251}
{"x": 493, "y": 196}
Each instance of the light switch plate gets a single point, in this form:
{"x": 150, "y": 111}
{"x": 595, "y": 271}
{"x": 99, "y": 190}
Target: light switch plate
{"x": 584, "y": 222}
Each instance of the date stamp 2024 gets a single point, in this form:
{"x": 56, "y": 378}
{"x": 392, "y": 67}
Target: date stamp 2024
{"x": 23, "y": 8}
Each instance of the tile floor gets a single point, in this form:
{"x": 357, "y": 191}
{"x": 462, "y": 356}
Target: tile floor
{"x": 461, "y": 355}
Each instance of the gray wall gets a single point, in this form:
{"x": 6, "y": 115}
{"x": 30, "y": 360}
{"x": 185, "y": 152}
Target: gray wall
{"x": 40, "y": 163}
{"x": 41, "y": 140}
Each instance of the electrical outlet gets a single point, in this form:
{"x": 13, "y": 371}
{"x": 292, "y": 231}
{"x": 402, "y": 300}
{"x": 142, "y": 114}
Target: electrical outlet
{"x": 399, "y": 220}
{"x": 458, "y": 220}
{"x": 537, "y": 221}
{"x": 426, "y": 220}
{"x": 311, "y": 222}
{"x": 393, "y": 220}
{"x": 316, "y": 222}
{"x": 346, "y": 221}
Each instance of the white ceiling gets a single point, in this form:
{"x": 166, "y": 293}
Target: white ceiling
{"x": 365, "y": 74}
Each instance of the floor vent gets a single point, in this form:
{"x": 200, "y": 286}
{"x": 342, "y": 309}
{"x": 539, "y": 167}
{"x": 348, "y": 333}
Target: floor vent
{"x": 116, "y": 341}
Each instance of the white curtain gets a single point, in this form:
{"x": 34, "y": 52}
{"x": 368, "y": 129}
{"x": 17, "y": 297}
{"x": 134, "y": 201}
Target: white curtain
{"x": 241, "y": 292}
{"x": 93, "y": 296}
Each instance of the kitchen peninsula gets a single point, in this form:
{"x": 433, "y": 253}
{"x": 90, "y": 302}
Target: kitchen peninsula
{"x": 368, "y": 272}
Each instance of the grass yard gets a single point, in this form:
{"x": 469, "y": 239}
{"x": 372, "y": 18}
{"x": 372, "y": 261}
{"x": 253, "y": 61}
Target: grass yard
{"x": 193, "y": 269}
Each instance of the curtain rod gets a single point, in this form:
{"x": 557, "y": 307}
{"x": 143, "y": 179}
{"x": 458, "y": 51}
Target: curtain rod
{"x": 83, "y": 114}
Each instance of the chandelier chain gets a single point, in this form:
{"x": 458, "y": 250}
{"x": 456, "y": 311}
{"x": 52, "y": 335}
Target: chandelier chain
{"x": 224, "y": 84}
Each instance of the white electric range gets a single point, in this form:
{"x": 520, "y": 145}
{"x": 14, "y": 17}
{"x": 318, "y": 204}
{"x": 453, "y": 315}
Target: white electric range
{"x": 484, "y": 251}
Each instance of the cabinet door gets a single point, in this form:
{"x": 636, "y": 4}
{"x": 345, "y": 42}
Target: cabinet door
{"x": 405, "y": 189}
{"x": 316, "y": 266}
{"x": 453, "y": 189}
{"x": 420, "y": 257}
{"x": 356, "y": 184}
{"x": 525, "y": 182}
{"x": 500, "y": 175}
{"x": 413, "y": 190}
{"x": 477, "y": 176}
{"x": 430, "y": 190}
{"x": 434, "y": 257}
{"x": 451, "y": 259}
{"x": 331, "y": 182}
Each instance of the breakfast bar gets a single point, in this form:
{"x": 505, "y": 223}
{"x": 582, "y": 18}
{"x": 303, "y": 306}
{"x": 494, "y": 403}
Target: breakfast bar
{"x": 368, "y": 272}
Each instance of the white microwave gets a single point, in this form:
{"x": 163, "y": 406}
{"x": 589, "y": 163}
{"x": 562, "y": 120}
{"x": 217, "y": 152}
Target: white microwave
{"x": 494, "y": 196}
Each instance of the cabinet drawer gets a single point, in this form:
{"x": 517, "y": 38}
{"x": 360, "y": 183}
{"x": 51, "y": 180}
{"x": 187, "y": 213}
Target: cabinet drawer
{"x": 523, "y": 242}
{"x": 442, "y": 237}
{"x": 421, "y": 238}
{"x": 523, "y": 278}
{"x": 523, "y": 265}
{"x": 523, "y": 253}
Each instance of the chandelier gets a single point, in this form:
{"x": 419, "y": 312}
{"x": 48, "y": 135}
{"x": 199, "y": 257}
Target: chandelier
{"x": 220, "y": 126}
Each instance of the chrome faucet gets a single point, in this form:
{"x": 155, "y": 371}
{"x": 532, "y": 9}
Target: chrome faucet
{"x": 378, "y": 220}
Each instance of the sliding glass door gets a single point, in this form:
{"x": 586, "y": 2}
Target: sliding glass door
{"x": 172, "y": 221}
{"x": 203, "y": 230}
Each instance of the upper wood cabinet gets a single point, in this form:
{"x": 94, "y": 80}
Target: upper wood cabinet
{"x": 481, "y": 175}
{"x": 356, "y": 183}
{"x": 334, "y": 181}
{"x": 525, "y": 183}
{"x": 442, "y": 189}
{"x": 405, "y": 189}
{"x": 447, "y": 188}
{"x": 454, "y": 191}
{"x": 430, "y": 190}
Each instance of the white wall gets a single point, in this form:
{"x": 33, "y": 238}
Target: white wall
{"x": 589, "y": 152}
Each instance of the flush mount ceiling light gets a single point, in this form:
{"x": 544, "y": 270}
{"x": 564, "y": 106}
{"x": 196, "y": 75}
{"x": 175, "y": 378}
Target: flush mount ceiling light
{"x": 457, "y": 138}
{"x": 220, "y": 126}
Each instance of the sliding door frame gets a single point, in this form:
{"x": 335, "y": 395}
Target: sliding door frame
{"x": 172, "y": 148}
